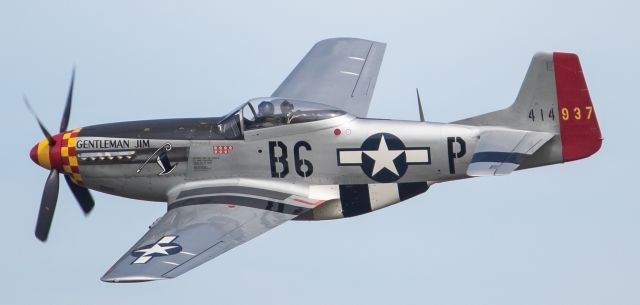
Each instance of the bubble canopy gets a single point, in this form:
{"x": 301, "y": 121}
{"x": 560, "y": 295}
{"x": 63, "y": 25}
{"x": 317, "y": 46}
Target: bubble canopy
{"x": 270, "y": 112}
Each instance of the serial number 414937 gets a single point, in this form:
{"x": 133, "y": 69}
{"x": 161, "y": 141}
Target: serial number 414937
{"x": 577, "y": 113}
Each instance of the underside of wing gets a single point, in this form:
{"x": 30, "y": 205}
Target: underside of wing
{"x": 500, "y": 152}
{"x": 202, "y": 223}
{"x": 340, "y": 72}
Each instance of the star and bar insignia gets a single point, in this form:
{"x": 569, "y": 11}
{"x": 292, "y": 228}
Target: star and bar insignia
{"x": 383, "y": 157}
{"x": 163, "y": 247}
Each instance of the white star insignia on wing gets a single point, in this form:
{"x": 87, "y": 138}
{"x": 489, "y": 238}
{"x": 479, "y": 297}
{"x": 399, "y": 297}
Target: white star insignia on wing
{"x": 157, "y": 248}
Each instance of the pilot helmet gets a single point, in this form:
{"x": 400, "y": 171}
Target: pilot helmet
{"x": 286, "y": 107}
{"x": 265, "y": 108}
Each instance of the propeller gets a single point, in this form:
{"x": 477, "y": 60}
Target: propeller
{"x": 51, "y": 186}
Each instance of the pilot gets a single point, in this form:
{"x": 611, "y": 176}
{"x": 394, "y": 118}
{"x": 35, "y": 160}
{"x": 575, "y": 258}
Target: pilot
{"x": 265, "y": 114}
{"x": 265, "y": 109}
{"x": 287, "y": 111}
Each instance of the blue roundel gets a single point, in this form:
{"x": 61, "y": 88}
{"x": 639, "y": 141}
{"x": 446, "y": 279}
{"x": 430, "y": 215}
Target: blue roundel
{"x": 383, "y": 157}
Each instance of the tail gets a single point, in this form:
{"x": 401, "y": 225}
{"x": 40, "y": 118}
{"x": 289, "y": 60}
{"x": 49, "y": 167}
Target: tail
{"x": 553, "y": 98}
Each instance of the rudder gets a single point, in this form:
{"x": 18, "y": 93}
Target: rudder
{"x": 579, "y": 129}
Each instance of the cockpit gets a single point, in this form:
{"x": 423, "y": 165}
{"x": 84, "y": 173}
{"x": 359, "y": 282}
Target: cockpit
{"x": 271, "y": 112}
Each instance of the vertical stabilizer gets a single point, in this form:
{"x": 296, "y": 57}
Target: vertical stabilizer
{"x": 553, "y": 98}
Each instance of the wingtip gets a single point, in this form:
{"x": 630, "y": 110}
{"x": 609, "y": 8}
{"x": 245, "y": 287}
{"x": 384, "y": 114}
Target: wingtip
{"x": 334, "y": 39}
{"x": 130, "y": 279}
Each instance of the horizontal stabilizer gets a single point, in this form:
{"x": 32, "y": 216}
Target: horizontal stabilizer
{"x": 499, "y": 152}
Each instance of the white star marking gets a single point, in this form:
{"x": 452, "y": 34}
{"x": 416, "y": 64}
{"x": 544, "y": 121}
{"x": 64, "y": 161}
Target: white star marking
{"x": 156, "y": 248}
{"x": 383, "y": 157}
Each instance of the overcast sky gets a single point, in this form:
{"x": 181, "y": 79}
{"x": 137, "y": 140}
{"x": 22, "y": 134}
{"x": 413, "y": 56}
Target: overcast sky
{"x": 565, "y": 234}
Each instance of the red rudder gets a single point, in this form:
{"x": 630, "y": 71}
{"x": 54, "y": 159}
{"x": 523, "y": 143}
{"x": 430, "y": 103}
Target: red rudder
{"x": 579, "y": 128}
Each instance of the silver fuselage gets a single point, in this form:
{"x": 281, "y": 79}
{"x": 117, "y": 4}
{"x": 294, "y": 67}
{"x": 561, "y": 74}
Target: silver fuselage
{"x": 251, "y": 157}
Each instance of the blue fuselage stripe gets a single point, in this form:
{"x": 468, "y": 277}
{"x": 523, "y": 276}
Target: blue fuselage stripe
{"x": 498, "y": 157}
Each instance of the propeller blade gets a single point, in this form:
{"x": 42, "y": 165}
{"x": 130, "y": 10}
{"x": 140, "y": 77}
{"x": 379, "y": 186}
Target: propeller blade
{"x": 82, "y": 194}
{"x": 44, "y": 129}
{"x": 47, "y": 205}
{"x": 67, "y": 108}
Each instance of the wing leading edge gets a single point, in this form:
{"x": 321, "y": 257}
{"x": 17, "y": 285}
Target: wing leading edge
{"x": 201, "y": 224}
{"x": 340, "y": 72}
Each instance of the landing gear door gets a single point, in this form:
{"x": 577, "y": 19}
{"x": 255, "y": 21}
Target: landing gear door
{"x": 201, "y": 161}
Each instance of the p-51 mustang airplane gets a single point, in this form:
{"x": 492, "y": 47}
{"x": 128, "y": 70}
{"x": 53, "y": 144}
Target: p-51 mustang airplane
{"x": 308, "y": 152}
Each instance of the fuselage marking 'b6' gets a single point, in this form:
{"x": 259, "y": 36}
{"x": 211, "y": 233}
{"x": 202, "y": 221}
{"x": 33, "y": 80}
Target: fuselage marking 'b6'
{"x": 304, "y": 167}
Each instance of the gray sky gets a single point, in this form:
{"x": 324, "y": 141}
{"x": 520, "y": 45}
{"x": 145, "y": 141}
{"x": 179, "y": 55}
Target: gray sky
{"x": 566, "y": 234}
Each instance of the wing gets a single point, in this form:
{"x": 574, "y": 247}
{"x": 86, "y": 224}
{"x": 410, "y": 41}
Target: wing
{"x": 340, "y": 72}
{"x": 204, "y": 221}
{"x": 499, "y": 152}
